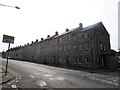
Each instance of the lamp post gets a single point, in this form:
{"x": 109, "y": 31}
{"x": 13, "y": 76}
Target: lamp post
{"x": 10, "y": 6}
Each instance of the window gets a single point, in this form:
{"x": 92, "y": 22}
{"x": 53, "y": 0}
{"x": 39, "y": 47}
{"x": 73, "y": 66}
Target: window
{"x": 79, "y": 60}
{"x": 60, "y": 40}
{"x": 87, "y": 61}
{"x": 80, "y": 47}
{"x": 74, "y": 38}
{"x": 101, "y": 46}
{"x": 74, "y": 48}
{"x": 64, "y": 48}
{"x": 60, "y": 48}
{"x": 75, "y": 60}
{"x": 85, "y": 35}
{"x": 86, "y": 46}
{"x": 104, "y": 47}
{"x": 56, "y": 48}
{"x": 60, "y": 60}
{"x": 69, "y": 37}
{"x": 69, "y": 47}
{"x": 56, "y": 40}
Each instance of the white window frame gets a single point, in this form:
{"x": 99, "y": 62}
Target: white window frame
{"x": 86, "y": 60}
{"x": 85, "y": 35}
{"x": 79, "y": 60}
{"x": 101, "y": 46}
{"x": 104, "y": 47}
{"x": 69, "y": 47}
{"x": 86, "y": 45}
{"x": 69, "y": 37}
{"x": 60, "y": 40}
{"x": 80, "y": 47}
{"x": 64, "y": 48}
{"x": 74, "y": 47}
{"x": 75, "y": 60}
{"x": 74, "y": 38}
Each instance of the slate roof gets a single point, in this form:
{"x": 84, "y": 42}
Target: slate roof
{"x": 78, "y": 29}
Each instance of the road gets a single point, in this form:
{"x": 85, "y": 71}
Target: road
{"x": 32, "y": 75}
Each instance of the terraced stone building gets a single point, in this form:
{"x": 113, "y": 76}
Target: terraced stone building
{"x": 81, "y": 47}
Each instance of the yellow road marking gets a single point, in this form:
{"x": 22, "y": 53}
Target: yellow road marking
{"x": 18, "y": 77}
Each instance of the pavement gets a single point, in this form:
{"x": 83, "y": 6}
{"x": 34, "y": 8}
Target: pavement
{"x": 5, "y": 78}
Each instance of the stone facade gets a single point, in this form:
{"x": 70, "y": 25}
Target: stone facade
{"x": 87, "y": 47}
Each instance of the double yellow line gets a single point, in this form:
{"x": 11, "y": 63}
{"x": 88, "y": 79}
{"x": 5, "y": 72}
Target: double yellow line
{"x": 17, "y": 76}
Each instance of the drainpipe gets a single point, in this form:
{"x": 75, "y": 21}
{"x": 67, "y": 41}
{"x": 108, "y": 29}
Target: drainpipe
{"x": 91, "y": 48}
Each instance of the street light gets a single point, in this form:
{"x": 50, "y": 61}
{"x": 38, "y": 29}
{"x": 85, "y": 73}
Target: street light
{"x": 10, "y": 6}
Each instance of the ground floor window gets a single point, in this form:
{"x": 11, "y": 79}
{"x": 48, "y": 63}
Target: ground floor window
{"x": 79, "y": 60}
{"x": 87, "y": 60}
{"x": 75, "y": 60}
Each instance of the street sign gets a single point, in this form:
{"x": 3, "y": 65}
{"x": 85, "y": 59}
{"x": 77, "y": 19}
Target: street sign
{"x": 8, "y": 39}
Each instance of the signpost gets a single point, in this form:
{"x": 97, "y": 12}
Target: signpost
{"x": 7, "y": 39}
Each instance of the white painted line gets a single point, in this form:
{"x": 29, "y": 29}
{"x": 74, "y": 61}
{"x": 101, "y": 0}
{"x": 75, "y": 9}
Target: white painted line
{"x": 60, "y": 78}
{"x": 48, "y": 75}
{"x": 51, "y": 78}
{"x": 32, "y": 76}
{"x": 105, "y": 81}
{"x": 42, "y": 83}
{"x": 13, "y": 86}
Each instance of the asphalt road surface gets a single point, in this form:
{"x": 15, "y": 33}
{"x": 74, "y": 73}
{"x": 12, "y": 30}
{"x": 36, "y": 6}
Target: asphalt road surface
{"x": 32, "y": 75}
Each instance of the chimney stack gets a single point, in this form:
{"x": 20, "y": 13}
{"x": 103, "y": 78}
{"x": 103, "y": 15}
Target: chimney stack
{"x": 80, "y": 25}
{"x": 32, "y": 42}
{"x": 36, "y": 40}
{"x": 56, "y": 33}
{"x": 41, "y": 39}
{"x": 67, "y": 29}
{"x": 48, "y": 36}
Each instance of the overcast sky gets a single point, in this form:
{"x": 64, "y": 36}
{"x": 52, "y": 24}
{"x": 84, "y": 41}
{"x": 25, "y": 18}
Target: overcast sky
{"x": 38, "y": 18}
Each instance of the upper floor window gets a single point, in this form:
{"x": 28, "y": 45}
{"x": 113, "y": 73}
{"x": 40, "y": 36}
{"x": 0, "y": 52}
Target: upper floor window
{"x": 74, "y": 47}
{"x": 101, "y": 46}
{"x": 64, "y": 48}
{"x": 74, "y": 38}
{"x": 60, "y": 49}
{"x": 104, "y": 47}
{"x": 56, "y": 48}
{"x": 60, "y": 40}
{"x": 85, "y": 35}
{"x": 56, "y": 40}
{"x": 80, "y": 47}
{"x": 69, "y": 37}
{"x": 87, "y": 46}
{"x": 69, "y": 47}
